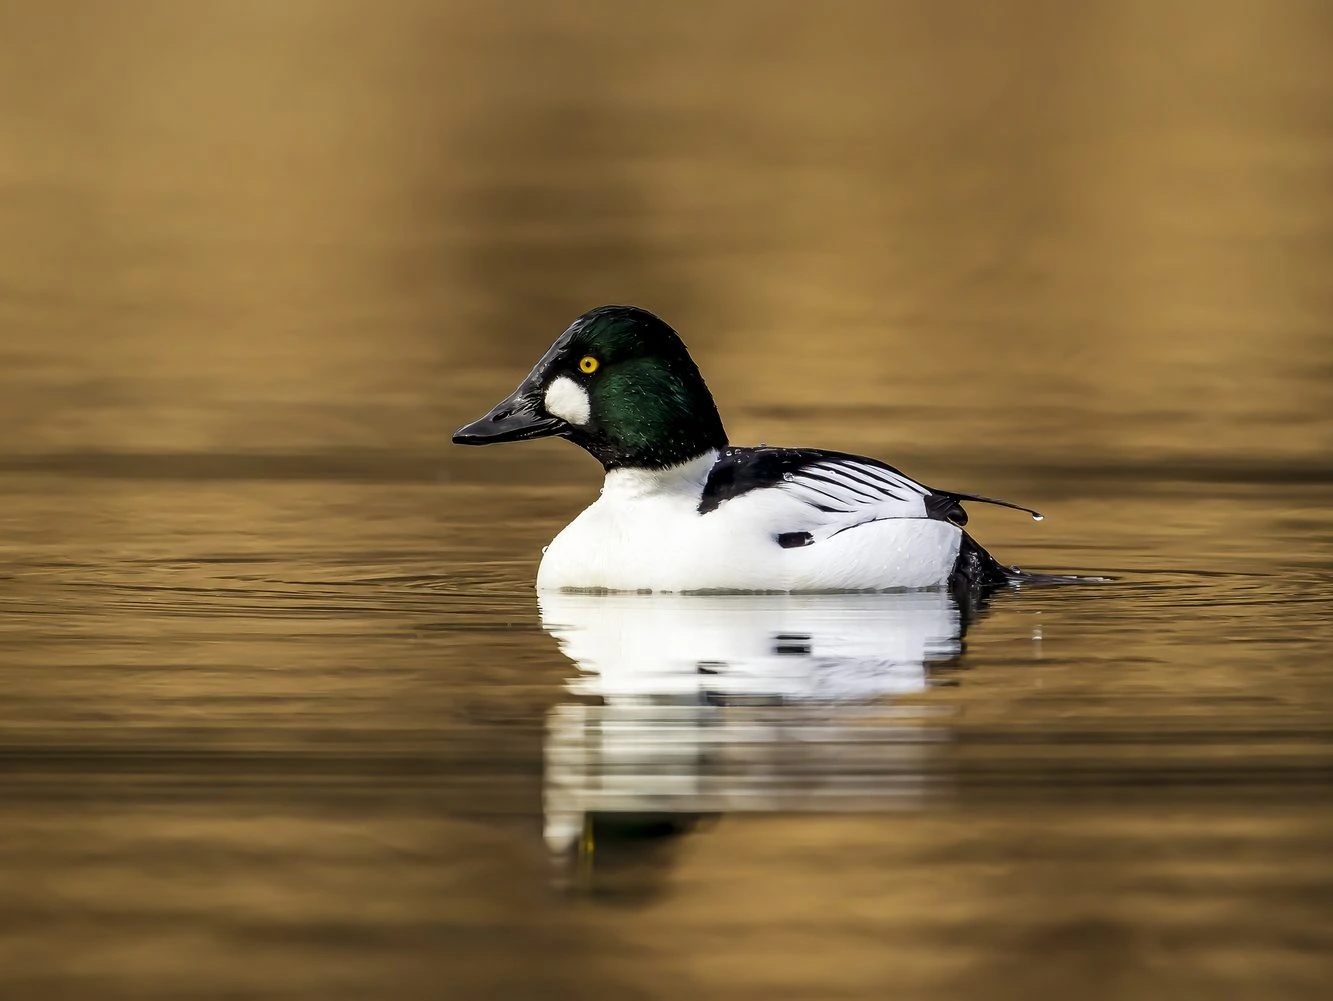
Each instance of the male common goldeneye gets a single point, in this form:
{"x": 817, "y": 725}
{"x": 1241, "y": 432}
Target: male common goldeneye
{"x": 682, "y": 510}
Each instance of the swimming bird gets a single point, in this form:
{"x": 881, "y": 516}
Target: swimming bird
{"x": 683, "y": 510}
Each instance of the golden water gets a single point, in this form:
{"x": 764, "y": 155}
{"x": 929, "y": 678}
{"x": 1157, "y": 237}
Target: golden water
{"x": 278, "y": 717}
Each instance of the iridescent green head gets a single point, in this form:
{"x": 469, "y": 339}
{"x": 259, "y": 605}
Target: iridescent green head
{"x": 618, "y": 383}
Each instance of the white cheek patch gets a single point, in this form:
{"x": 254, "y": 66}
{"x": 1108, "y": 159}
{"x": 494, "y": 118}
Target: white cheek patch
{"x": 569, "y": 401}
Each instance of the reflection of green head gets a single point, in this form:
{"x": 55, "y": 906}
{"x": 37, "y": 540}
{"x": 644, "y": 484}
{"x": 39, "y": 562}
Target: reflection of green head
{"x": 648, "y": 404}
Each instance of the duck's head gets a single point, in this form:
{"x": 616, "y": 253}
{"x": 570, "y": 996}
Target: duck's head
{"x": 618, "y": 383}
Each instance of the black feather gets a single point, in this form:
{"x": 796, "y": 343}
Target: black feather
{"x": 954, "y": 496}
{"x": 739, "y": 470}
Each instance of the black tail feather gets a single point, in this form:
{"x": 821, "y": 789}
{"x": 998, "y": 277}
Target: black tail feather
{"x": 1036, "y": 515}
{"x": 975, "y": 568}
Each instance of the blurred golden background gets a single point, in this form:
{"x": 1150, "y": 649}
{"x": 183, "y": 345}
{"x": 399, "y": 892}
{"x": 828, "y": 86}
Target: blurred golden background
{"x": 1064, "y": 231}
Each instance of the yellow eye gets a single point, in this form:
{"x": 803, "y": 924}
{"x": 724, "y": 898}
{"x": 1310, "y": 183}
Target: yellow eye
{"x": 588, "y": 364}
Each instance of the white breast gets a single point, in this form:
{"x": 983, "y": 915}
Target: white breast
{"x": 645, "y": 533}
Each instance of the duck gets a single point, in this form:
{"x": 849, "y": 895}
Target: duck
{"x": 682, "y": 510}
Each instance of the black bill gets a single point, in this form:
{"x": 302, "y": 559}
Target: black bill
{"x": 517, "y": 418}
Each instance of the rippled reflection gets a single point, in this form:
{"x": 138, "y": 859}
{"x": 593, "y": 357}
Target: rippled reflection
{"x": 758, "y": 703}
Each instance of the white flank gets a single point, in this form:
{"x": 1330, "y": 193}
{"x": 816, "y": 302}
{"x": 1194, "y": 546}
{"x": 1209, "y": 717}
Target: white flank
{"x": 645, "y": 532}
{"x": 569, "y": 401}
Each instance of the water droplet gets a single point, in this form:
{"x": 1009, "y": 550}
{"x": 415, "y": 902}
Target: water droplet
{"x": 1039, "y": 517}
{"x": 788, "y": 477}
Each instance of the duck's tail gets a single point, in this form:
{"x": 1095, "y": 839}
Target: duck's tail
{"x": 977, "y": 569}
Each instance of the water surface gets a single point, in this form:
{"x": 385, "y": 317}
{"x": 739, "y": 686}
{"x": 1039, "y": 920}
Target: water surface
{"x": 281, "y": 714}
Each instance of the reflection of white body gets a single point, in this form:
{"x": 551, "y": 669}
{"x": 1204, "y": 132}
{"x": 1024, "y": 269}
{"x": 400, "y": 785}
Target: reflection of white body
{"x": 783, "y": 646}
{"x": 738, "y": 702}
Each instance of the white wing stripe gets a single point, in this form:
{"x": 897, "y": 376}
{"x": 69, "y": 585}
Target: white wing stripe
{"x": 859, "y": 471}
{"x": 888, "y": 476}
{"x": 845, "y": 475}
{"x": 810, "y": 495}
{"x": 858, "y": 487}
{"x": 877, "y": 479}
{"x": 841, "y": 494}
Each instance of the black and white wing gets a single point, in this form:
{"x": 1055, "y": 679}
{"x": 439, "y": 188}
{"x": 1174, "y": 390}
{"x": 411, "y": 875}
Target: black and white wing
{"x": 823, "y": 493}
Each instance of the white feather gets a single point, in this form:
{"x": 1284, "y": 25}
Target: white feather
{"x": 567, "y": 400}
{"x": 854, "y": 492}
{"x": 645, "y": 532}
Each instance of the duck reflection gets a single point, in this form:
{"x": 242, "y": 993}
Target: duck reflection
{"x": 695, "y": 706}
